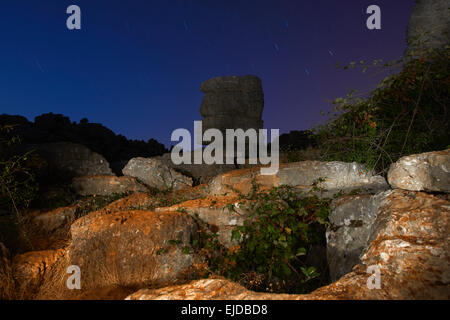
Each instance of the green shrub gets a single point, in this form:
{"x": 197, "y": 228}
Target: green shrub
{"x": 18, "y": 186}
{"x": 408, "y": 113}
{"x": 274, "y": 242}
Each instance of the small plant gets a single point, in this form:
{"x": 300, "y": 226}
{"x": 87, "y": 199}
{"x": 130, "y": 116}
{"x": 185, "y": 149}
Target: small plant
{"x": 272, "y": 244}
{"x": 18, "y": 186}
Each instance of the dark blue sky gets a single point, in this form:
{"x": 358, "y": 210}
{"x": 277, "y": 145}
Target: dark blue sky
{"x": 136, "y": 66}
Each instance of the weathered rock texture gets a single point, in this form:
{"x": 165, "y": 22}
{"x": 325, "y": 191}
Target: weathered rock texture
{"x": 422, "y": 172}
{"x": 156, "y": 173}
{"x": 351, "y": 219}
{"x": 30, "y": 270}
{"x": 106, "y": 185}
{"x": 7, "y": 286}
{"x": 132, "y": 248}
{"x": 50, "y": 229}
{"x": 216, "y": 214}
{"x": 430, "y": 20}
{"x": 72, "y": 159}
{"x": 337, "y": 176}
{"x": 232, "y": 102}
{"x": 409, "y": 242}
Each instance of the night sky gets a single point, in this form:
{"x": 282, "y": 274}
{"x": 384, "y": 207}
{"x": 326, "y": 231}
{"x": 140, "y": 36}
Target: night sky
{"x": 136, "y": 66}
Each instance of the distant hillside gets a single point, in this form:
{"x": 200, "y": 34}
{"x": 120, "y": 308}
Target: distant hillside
{"x": 51, "y": 127}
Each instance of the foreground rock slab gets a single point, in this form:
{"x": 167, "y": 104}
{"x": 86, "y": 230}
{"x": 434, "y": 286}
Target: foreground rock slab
{"x": 200, "y": 172}
{"x": 422, "y": 172}
{"x": 106, "y": 185}
{"x": 132, "y": 248}
{"x": 49, "y": 229}
{"x": 220, "y": 214}
{"x": 336, "y": 176}
{"x": 408, "y": 245}
{"x": 30, "y": 270}
{"x": 156, "y": 173}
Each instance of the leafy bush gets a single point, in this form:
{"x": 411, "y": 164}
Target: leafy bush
{"x": 408, "y": 113}
{"x": 273, "y": 243}
{"x": 18, "y": 186}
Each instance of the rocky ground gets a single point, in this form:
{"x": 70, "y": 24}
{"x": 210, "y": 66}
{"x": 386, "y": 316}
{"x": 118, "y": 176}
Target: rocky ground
{"x": 138, "y": 245}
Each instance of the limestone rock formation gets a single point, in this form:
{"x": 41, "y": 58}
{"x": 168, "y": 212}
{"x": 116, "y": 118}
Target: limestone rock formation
{"x": 106, "y": 185}
{"x": 430, "y": 23}
{"x": 215, "y": 213}
{"x": 200, "y": 172}
{"x": 351, "y": 219}
{"x": 422, "y": 172}
{"x": 30, "y": 270}
{"x": 156, "y": 173}
{"x": 50, "y": 229}
{"x": 337, "y": 176}
{"x": 408, "y": 242}
{"x": 71, "y": 160}
{"x": 132, "y": 248}
{"x": 232, "y": 102}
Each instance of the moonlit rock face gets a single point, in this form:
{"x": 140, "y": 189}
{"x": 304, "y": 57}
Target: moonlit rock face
{"x": 156, "y": 173}
{"x": 422, "y": 172}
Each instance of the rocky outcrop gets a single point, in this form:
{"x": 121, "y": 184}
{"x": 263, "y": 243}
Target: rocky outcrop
{"x": 50, "y": 229}
{"x": 336, "y": 176}
{"x": 351, "y": 219}
{"x": 132, "y": 248}
{"x": 201, "y": 173}
{"x": 7, "y": 285}
{"x": 106, "y": 185}
{"x": 408, "y": 244}
{"x": 422, "y": 172}
{"x": 68, "y": 160}
{"x": 430, "y": 24}
{"x": 156, "y": 173}
{"x": 220, "y": 214}
{"x": 232, "y": 102}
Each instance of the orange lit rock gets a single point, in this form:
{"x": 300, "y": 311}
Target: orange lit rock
{"x": 31, "y": 268}
{"x": 132, "y": 247}
{"x": 409, "y": 244}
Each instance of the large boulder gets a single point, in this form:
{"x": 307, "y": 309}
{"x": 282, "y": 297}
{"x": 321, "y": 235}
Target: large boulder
{"x": 132, "y": 248}
{"x": 351, "y": 219}
{"x": 106, "y": 185}
{"x": 68, "y": 160}
{"x": 302, "y": 175}
{"x": 219, "y": 214}
{"x": 30, "y": 270}
{"x": 7, "y": 285}
{"x": 422, "y": 172}
{"x": 232, "y": 102}
{"x": 202, "y": 173}
{"x": 50, "y": 229}
{"x": 156, "y": 173}
{"x": 408, "y": 244}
